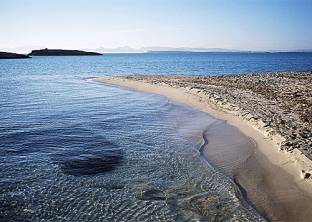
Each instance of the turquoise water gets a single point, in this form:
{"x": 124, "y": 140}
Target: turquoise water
{"x": 75, "y": 150}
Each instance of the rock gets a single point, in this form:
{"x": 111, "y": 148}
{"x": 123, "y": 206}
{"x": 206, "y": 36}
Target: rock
{"x": 305, "y": 174}
{"x": 91, "y": 165}
{"x": 9, "y": 55}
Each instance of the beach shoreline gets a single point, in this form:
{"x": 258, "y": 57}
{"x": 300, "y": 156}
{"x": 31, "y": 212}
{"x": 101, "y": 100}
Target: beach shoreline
{"x": 270, "y": 145}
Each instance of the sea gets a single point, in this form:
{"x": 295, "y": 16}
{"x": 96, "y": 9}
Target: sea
{"x": 72, "y": 149}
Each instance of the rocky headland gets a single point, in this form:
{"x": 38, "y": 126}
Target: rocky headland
{"x": 279, "y": 105}
{"x": 10, "y": 55}
{"x": 62, "y": 52}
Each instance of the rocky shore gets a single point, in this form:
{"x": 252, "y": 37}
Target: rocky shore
{"x": 277, "y": 104}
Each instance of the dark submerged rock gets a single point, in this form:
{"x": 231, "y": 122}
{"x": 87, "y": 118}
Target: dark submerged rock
{"x": 91, "y": 165}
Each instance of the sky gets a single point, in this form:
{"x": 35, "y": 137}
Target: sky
{"x": 231, "y": 24}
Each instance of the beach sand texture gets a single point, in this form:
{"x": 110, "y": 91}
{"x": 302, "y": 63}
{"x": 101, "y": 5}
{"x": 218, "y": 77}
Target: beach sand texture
{"x": 273, "y": 110}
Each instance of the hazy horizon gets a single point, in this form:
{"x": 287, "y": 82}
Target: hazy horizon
{"x": 128, "y": 49}
{"x": 278, "y": 25}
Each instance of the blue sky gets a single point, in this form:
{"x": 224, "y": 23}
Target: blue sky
{"x": 233, "y": 24}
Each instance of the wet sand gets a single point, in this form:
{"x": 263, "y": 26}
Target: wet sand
{"x": 271, "y": 178}
{"x": 269, "y": 188}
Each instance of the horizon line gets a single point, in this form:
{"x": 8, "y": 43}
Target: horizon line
{"x": 151, "y": 49}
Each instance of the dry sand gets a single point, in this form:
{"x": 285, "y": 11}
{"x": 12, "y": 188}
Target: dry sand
{"x": 287, "y": 197}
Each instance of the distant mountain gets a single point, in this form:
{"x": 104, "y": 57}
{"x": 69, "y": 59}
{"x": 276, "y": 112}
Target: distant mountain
{"x": 127, "y": 49}
{"x": 169, "y": 49}
{"x": 61, "y": 52}
{"x": 158, "y": 49}
{"x": 10, "y": 55}
{"x": 297, "y": 50}
{"x": 124, "y": 49}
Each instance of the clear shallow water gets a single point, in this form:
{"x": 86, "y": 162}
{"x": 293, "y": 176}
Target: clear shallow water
{"x": 75, "y": 150}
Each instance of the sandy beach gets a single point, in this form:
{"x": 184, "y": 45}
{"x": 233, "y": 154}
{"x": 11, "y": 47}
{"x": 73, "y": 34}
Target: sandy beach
{"x": 277, "y": 175}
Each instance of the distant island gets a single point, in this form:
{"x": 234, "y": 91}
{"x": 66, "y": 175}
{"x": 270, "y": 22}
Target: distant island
{"x": 10, "y": 55}
{"x": 159, "y": 49}
{"x": 171, "y": 52}
{"x": 62, "y": 52}
{"x": 191, "y": 52}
